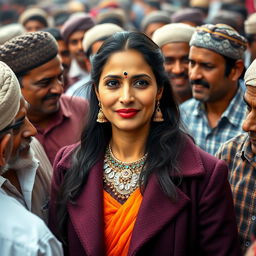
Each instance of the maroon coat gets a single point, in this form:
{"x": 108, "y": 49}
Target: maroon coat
{"x": 201, "y": 222}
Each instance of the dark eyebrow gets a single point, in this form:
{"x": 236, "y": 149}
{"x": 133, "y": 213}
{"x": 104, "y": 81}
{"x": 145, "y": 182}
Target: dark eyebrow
{"x": 112, "y": 76}
{"x": 168, "y": 57}
{"x": 201, "y": 63}
{"x": 43, "y": 80}
{"x": 141, "y": 75}
{"x": 47, "y": 79}
{"x": 185, "y": 56}
{"x": 120, "y": 77}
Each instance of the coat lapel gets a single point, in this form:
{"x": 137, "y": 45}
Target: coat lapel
{"x": 87, "y": 214}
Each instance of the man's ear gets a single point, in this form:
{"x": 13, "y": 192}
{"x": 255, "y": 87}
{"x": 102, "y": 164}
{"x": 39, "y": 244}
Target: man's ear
{"x": 237, "y": 70}
{"x": 4, "y": 154}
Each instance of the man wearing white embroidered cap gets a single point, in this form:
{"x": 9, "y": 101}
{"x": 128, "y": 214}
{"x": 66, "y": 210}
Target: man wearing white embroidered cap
{"x": 173, "y": 39}
{"x": 21, "y": 233}
{"x": 240, "y": 154}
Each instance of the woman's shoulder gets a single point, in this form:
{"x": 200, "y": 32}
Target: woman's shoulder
{"x": 64, "y": 156}
{"x": 195, "y": 161}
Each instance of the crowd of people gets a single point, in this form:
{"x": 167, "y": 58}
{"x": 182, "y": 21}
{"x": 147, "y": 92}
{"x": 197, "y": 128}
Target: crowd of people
{"x": 128, "y": 128}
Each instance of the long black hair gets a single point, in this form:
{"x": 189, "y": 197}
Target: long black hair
{"x": 164, "y": 140}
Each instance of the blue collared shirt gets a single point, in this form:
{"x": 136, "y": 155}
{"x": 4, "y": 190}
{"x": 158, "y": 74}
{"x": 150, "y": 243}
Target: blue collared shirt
{"x": 194, "y": 117}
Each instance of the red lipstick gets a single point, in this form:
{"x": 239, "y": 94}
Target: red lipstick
{"x": 127, "y": 112}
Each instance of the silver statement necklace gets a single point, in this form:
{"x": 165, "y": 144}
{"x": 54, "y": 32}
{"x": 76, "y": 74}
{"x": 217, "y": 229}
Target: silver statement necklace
{"x": 121, "y": 177}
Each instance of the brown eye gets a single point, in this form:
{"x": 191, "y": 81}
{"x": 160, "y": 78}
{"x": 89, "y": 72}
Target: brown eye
{"x": 141, "y": 83}
{"x": 112, "y": 83}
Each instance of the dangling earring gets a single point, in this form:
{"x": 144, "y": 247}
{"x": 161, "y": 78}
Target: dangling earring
{"x": 158, "y": 116}
{"x": 101, "y": 117}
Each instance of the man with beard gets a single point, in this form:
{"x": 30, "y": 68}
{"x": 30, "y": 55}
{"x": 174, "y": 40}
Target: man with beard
{"x": 239, "y": 153}
{"x": 58, "y": 118}
{"x": 21, "y": 233}
{"x": 27, "y": 175}
{"x": 216, "y": 112}
{"x": 173, "y": 39}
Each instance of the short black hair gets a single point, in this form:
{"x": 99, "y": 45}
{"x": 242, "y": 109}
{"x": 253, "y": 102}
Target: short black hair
{"x": 38, "y": 18}
{"x": 55, "y": 32}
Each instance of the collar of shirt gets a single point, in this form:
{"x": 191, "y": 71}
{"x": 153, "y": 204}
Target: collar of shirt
{"x": 246, "y": 152}
{"x": 232, "y": 113}
{"x": 63, "y": 113}
{"x": 26, "y": 176}
{"x": 76, "y": 71}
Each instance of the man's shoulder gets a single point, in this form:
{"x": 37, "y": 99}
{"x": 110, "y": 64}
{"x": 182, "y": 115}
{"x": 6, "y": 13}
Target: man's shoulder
{"x": 24, "y": 233}
{"x": 17, "y": 222}
{"x": 64, "y": 156}
{"x": 232, "y": 146}
{"x": 73, "y": 103}
{"x": 189, "y": 104}
{"x": 236, "y": 141}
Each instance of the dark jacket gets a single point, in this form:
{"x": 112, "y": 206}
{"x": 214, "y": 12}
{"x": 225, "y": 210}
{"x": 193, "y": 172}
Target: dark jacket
{"x": 201, "y": 222}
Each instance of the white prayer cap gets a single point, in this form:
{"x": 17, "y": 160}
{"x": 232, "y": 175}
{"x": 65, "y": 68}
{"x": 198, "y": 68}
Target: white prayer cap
{"x": 10, "y": 95}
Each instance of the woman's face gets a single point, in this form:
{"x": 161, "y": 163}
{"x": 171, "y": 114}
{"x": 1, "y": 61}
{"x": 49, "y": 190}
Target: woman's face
{"x": 128, "y": 91}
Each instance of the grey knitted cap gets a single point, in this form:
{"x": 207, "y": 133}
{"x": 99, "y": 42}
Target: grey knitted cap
{"x": 220, "y": 38}
{"x": 28, "y": 51}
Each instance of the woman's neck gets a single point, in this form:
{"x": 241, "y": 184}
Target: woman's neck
{"x": 128, "y": 147}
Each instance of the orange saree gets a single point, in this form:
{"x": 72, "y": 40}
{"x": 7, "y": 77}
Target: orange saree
{"x": 119, "y": 222}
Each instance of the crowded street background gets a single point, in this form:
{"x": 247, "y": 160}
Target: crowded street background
{"x": 128, "y": 127}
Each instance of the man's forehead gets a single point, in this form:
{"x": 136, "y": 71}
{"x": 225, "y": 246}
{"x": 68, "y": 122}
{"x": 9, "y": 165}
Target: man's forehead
{"x": 205, "y": 54}
{"x": 250, "y": 91}
{"x": 49, "y": 68}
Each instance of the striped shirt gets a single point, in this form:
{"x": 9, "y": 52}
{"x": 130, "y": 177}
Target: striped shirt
{"x": 241, "y": 161}
{"x": 194, "y": 117}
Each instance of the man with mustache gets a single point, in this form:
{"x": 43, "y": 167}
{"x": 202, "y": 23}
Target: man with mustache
{"x": 58, "y": 118}
{"x": 216, "y": 111}
{"x": 173, "y": 39}
{"x": 27, "y": 176}
{"x": 21, "y": 233}
{"x": 239, "y": 153}
{"x": 63, "y": 52}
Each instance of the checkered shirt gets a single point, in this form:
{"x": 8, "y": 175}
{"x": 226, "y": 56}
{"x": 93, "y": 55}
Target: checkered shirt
{"x": 194, "y": 117}
{"x": 238, "y": 155}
